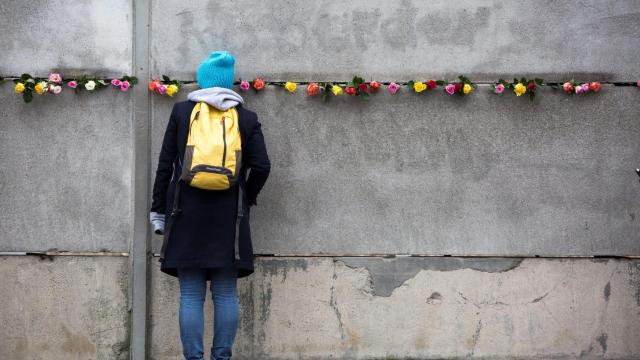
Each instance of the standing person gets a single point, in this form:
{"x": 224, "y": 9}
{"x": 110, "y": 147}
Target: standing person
{"x": 200, "y": 243}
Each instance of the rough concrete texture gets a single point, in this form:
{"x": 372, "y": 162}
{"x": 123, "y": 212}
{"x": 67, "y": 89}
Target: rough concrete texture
{"x": 72, "y": 308}
{"x": 393, "y": 40}
{"x": 320, "y": 308}
{"x": 436, "y": 174}
{"x": 66, "y": 171}
{"x": 92, "y": 37}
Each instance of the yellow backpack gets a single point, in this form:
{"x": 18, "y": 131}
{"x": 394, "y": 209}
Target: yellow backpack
{"x": 213, "y": 154}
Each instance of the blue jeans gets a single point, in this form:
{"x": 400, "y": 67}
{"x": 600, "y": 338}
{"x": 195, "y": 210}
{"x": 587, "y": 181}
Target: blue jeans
{"x": 193, "y": 289}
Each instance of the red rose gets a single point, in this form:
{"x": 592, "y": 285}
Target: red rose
{"x": 374, "y": 85}
{"x": 457, "y": 87}
{"x": 363, "y": 87}
{"x": 594, "y": 86}
{"x": 153, "y": 85}
{"x": 431, "y": 84}
{"x": 350, "y": 90}
{"x": 531, "y": 86}
{"x": 313, "y": 89}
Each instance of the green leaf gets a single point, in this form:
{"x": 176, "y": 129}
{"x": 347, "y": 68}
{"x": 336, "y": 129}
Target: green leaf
{"x": 440, "y": 82}
{"x": 134, "y": 80}
{"x": 27, "y": 96}
{"x": 165, "y": 78}
{"x": 538, "y": 81}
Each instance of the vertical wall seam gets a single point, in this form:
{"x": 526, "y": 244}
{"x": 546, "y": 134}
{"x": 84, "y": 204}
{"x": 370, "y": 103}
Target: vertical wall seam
{"x": 140, "y": 239}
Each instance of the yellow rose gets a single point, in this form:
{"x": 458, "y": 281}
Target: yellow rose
{"x": 19, "y": 88}
{"x": 466, "y": 89}
{"x": 336, "y": 90}
{"x": 171, "y": 90}
{"x": 40, "y": 87}
{"x": 290, "y": 86}
{"x": 519, "y": 89}
{"x": 419, "y": 86}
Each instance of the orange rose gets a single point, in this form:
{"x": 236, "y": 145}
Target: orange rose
{"x": 594, "y": 86}
{"x": 312, "y": 89}
{"x": 258, "y": 84}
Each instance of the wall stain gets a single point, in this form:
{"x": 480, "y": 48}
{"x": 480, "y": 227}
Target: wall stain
{"x": 333, "y": 303}
{"x": 459, "y": 28}
{"x": 602, "y": 340}
{"x": 399, "y": 30}
{"x": 77, "y": 343}
{"x": 389, "y": 274}
{"x": 607, "y": 291}
{"x": 435, "y": 298}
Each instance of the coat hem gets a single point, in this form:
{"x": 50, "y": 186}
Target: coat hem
{"x": 244, "y": 267}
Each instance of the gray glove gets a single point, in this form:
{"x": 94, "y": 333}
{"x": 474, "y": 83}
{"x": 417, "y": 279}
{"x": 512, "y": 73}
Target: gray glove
{"x": 157, "y": 221}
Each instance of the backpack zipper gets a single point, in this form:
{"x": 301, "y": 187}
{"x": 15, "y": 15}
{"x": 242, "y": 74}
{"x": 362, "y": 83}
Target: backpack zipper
{"x": 224, "y": 141}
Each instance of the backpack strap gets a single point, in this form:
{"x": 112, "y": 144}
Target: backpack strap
{"x": 240, "y": 215}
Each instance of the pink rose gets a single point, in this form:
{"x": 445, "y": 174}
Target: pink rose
{"x": 55, "y": 77}
{"x": 579, "y": 89}
{"x": 568, "y": 87}
{"x": 161, "y": 89}
{"x": 450, "y": 89}
{"x": 124, "y": 85}
{"x": 585, "y": 87}
{"x": 499, "y": 88}
{"x": 393, "y": 88}
{"x": 244, "y": 85}
{"x": 638, "y": 84}
{"x": 116, "y": 82}
{"x": 72, "y": 84}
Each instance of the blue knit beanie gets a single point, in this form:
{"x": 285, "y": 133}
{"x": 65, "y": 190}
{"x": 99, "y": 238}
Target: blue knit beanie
{"x": 216, "y": 70}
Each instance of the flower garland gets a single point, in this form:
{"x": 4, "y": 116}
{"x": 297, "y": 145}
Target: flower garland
{"x": 166, "y": 86}
{"x": 518, "y": 86}
{"x": 27, "y": 85}
{"x": 53, "y": 84}
{"x": 573, "y": 87}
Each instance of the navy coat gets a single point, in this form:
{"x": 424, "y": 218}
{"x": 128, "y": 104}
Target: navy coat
{"x": 203, "y": 234}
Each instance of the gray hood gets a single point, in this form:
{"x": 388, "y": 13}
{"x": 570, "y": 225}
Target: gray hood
{"x": 218, "y": 97}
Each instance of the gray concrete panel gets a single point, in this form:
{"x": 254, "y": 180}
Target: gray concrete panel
{"x": 435, "y": 174}
{"x": 399, "y": 40}
{"x": 66, "y": 171}
{"x": 72, "y": 308}
{"x": 72, "y": 37}
{"x": 369, "y": 308}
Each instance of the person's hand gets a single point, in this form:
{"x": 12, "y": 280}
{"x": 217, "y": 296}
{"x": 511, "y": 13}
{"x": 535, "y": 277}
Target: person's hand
{"x": 157, "y": 221}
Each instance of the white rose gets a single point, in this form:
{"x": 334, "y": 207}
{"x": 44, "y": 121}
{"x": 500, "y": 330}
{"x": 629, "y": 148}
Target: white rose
{"x": 90, "y": 85}
{"x": 56, "y": 89}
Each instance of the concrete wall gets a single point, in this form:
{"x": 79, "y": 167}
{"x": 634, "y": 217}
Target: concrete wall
{"x": 351, "y": 180}
{"x": 423, "y": 308}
